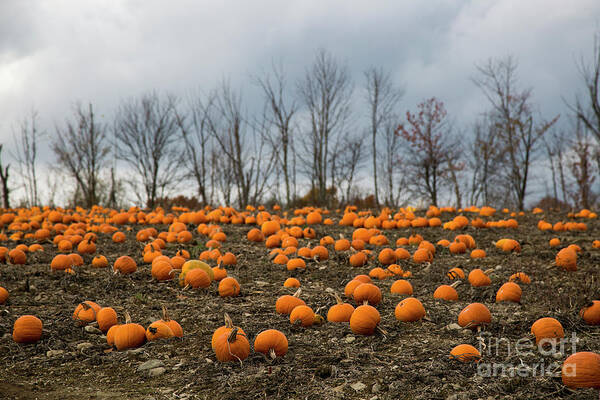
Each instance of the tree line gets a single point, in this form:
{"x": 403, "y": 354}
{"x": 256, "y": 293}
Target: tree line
{"x": 309, "y": 143}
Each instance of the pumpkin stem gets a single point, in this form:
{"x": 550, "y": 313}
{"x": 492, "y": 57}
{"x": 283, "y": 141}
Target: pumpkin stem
{"x": 488, "y": 271}
{"x": 228, "y": 321}
{"x": 232, "y": 335}
{"x": 272, "y": 353}
{"x": 165, "y": 314}
{"x": 338, "y": 299}
{"x": 298, "y": 292}
{"x": 381, "y": 330}
{"x": 127, "y": 317}
{"x": 455, "y": 284}
{"x": 365, "y": 303}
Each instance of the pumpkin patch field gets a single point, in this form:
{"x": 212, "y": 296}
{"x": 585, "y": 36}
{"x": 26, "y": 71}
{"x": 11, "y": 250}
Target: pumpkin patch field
{"x": 306, "y": 303}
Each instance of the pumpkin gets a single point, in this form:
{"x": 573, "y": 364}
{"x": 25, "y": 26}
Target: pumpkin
{"x": 106, "y": 318}
{"x": 520, "y": 276}
{"x": 367, "y": 292}
{"x": 17, "y": 257}
{"x": 548, "y": 329}
{"x": 291, "y": 282}
{"x": 457, "y": 248}
{"x": 479, "y": 278}
{"x": 86, "y": 312}
{"x": 358, "y": 259}
{"x": 158, "y": 330}
{"x": 474, "y": 316}
{"x": 271, "y": 342}
{"x": 589, "y": 313}
{"x": 567, "y": 259}
{"x": 197, "y": 278}
{"x": 219, "y": 273}
{"x": 303, "y": 315}
{"x": 456, "y": 273}
{"x": 286, "y": 303}
{"x": 401, "y": 286}
{"x": 510, "y": 291}
{"x": 99, "y": 261}
{"x": 422, "y": 255}
{"x": 86, "y": 247}
{"x": 351, "y": 286}
{"x": 446, "y": 292}
{"x": 232, "y": 346}
{"x": 582, "y": 370}
{"x": 364, "y": 320}
{"x": 118, "y": 237}
{"x": 125, "y": 265}
{"x": 229, "y": 287}
{"x": 162, "y": 270}
{"x": 342, "y": 245}
{"x": 255, "y": 235}
{"x": 319, "y": 253}
{"x": 387, "y": 256}
{"x": 76, "y": 259}
{"x": 129, "y": 335}
{"x": 174, "y": 325}
{"x": 295, "y": 263}
{"x": 3, "y": 295}
{"x": 409, "y": 310}
{"x": 340, "y": 312}
{"x": 465, "y": 353}
{"x": 60, "y": 262}
{"x": 379, "y": 273}
{"x": 478, "y": 253}
{"x": 27, "y": 329}
{"x": 227, "y": 328}
{"x": 110, "y": 334}
{"x": 195, "y": 264}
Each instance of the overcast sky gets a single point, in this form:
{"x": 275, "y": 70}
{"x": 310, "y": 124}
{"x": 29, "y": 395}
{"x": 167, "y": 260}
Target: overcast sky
{"x": 54, "y": 53}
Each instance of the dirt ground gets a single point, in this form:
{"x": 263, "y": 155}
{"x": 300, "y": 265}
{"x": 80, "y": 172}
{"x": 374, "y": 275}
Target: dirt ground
{"x": 324, "y": 362}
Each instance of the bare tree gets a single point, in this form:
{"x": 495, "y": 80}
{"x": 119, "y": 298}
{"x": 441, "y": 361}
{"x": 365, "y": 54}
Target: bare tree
{"x": 581, "y": 166}
{"x": 485, "y": 160}
{"x": 241, "y": 143}
{"x": 347, "y": 160}
{"x": 512, "y": 111}
{"x": 390, "y": 159}
{"x": 382, "y": 98}
{"x": 81, "y": 149}
{"x": 27, "y": 139}
{"x": 587, "y": 110}
{"x": 430, "y": 147}
{"x": 280, "y": 113}
{"x": 146, "y": 131}
{"x": 194, "y": 124}
{"x": 554, "y": 144}
{"x": 326, "y": 92}
{"x": 4, "y": 174}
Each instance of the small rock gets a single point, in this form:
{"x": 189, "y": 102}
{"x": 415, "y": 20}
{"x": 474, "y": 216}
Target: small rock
{"x": 376, "y": 388}
{"x": 92, "y": 330}
{"x": 54, "y": 353}
{"x": 349, "y": 339}
{"x": 358, "y": 386}
{"x": 453, "y": 327}
{"x": 322, "y": 268}
{"x": 558, "y": 355}
{"x": 154, "y": 372}
{"x": 135, "y": 351}
{"x": 84, "y": 346}
{"x": 208, "y": 360}
{"x": 150, "y": 364}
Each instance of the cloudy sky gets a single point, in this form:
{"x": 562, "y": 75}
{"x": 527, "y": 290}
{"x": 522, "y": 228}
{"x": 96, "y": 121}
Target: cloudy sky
{"x": 54, "y": 53}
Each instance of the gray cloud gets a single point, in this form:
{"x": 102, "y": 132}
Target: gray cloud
{"x": 55, "y": 53}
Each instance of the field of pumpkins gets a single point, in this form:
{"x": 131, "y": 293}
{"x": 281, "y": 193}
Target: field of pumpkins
{"x": 308, "y": 303}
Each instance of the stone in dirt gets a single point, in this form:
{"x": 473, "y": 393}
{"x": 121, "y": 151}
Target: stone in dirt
{"x": 84, "y": 346}
{"x": 154, "y": 372}
{"x": 92, "y": 330}
{"x": 54, "y": 353}
{"x": 150, "y": 364}
{"x": 358, "y": 386}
